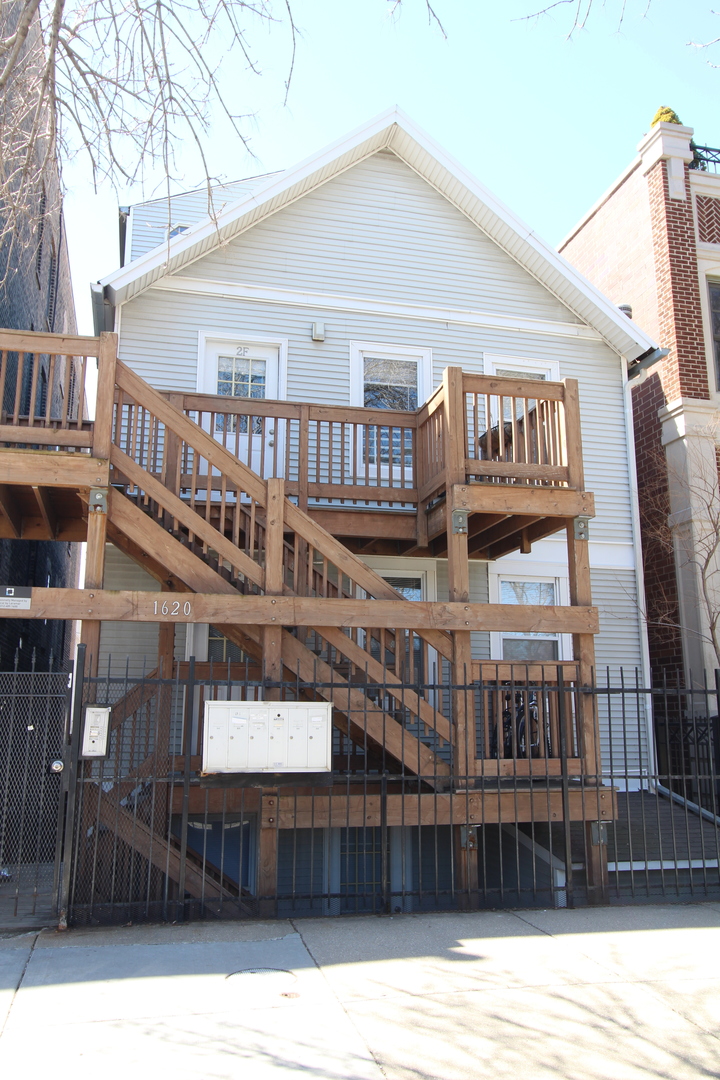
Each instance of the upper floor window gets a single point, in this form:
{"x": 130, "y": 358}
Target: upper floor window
{"x": 389, "y": 383}
{"x": 395, "y": 377}
{"x": 175, "y": 230}
{"x": 715, "y": 320}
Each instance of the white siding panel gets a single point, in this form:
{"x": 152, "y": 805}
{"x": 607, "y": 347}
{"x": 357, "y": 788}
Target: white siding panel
{"x": 379, "y": 230}
{"x": 120, "y": 642}
{"x": 133, "y": 642}
{"x": 623, "y": 734}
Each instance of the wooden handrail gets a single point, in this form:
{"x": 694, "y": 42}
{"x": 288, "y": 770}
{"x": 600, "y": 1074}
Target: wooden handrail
{"x": 52, "y": 344}
{"x": 510, "y": 387}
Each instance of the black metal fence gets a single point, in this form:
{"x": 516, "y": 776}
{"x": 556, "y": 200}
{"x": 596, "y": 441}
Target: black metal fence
{"x": 535, "y": 820}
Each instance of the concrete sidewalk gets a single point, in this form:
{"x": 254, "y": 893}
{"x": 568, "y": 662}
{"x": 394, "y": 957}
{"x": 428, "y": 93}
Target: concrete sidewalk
{"x": 612, "y": 992}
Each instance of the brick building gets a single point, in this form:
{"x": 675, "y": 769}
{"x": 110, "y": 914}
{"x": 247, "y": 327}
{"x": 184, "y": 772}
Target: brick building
{"x": 652, "y": 242}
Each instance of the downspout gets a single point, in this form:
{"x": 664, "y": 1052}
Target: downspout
{"x": 639, "y": 570}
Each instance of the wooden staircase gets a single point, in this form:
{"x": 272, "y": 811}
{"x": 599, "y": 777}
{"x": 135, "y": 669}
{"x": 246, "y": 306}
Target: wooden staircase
{"x": 184, "y": 500}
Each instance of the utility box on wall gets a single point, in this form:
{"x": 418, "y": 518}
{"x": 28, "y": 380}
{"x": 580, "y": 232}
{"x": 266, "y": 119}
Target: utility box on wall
{"x": 273, "y": 736}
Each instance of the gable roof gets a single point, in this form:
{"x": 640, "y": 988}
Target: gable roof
{"x": 391, "y": 130}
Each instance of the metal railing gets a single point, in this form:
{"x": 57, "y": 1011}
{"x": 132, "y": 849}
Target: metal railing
{"x": 142, "y": 834}
{"x": 150, "y": 837}
{"x": 706, "y": 158}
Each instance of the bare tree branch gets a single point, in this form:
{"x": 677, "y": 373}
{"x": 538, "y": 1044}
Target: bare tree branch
{"x": 123, "y": 82}
{"x": 582, "y": 11}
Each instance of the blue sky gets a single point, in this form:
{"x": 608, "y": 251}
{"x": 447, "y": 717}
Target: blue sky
{"x": 545, "y": 122}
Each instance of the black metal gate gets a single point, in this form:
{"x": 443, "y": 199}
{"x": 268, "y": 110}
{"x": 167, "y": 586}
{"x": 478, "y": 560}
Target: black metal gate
{"x": 143, "y": 835}
{"x": 33, "y": 711}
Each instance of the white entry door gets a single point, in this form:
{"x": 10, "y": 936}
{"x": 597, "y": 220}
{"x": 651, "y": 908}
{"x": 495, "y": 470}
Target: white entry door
{"x": 245, "y": 370}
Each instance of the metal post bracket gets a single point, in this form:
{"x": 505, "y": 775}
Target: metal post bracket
{"x": 460, "y": 521}
{"x": 98, "y": 502}
{"x": 582, "y": 528}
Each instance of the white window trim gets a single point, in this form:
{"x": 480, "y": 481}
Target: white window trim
{"x": 425, "y": 569}
{"x": 233, "y": 339}
{"x": 392, "y": 352}
{"x": 558, "y": 577}
{"x": 549, "y": 368}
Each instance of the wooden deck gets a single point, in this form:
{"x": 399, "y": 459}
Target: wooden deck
{"x": 252, "y": 516}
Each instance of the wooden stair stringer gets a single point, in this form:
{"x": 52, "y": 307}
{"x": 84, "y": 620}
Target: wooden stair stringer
{"x": 349, "y": 701}
{"x": 165, "y": 549}
{"x": 154, "y": 847}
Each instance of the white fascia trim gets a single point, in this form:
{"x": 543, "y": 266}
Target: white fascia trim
{"x": 276, "y": 185}
{"x": 507, "y": 217}
{"x": 337, "y": 302}
{"x": 384, "y": 131}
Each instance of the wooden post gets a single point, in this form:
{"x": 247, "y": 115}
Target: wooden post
{"x": 268, "y": 854}
{"x": 466, "y": 866}
{"x": 272, "y": 635}
{"x": 584, "y": 645}
{"x": 102, "y": 428}
{"x": 584, "y": 651}
{"x": 573, "y": 436}
{"x": 458, "y": 568}
{"x": 304, "y": 457}
{"x": 97, "y": 515}
{"x": 94, "y": 574}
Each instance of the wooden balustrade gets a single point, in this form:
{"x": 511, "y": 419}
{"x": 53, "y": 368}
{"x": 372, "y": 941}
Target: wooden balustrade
{"x": 512, "y": 431}
{"x": 43, "y": 390}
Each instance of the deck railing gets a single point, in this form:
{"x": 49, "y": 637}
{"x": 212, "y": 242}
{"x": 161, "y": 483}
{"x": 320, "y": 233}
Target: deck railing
{"x": 474, "y": 428}
{"x": 496, "y": 430}
{"x": 337, "y": 454}
{"x": 43, "y": 389}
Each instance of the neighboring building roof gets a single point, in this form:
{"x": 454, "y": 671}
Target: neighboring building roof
{"x": 394, "y": 131}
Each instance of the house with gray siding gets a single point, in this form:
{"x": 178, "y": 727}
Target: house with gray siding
{"x": 355, "y": 280}
{"x": 386, "y": 244}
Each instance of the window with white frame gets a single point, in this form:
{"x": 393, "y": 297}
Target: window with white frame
{"x": 397, "y": 377}
{"x": 393, "y": 378}
{"x": 528, "y": 647}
